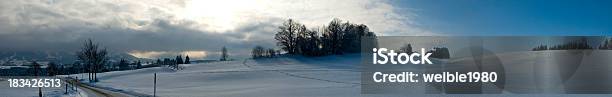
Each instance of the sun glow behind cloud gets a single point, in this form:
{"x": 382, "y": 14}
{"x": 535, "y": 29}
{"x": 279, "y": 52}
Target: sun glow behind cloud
{"x": 227, "y": 15}
{"x": 220, "y": 15}
{"x": 213, "y": 15}
{"x": 168, "y": 54}
{"x": 157, "y": 27}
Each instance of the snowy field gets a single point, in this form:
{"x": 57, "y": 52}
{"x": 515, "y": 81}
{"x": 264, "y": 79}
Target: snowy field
{"x": 340, "y": 76}
{"x": 286, "y": 76}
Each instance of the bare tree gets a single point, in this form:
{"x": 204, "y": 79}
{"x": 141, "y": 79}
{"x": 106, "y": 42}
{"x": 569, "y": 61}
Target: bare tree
{"x": 37, "y": 70}
{"x": 93, "y": 57}
{"x": 258, "y": 52}
{"x": 332, "y": 36}
{"x": 224, "y": 55}
{"x": 52, "y": 69}
{"x": 287, "y": 35}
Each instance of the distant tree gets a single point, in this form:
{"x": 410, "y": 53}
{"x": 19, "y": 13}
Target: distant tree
{"x": 138, "y": 65}
{"x": 352, "y": 35}
{"x": 123, "y": 64}
{"x": 179, "y": 60}
{"x": 261, "y": 52}
{"x": 52, "y": 69}
{"x": 271, "y": 53}
{"x": 187, "y": 61}
{"x": 37, "y": 72}
{"x": 158, "y": 62}
{"x": 167, "y": 61}
{"x": 603, "y": 46}
{"x": 258, "y": 52}
{"x": 579, "y": 44}
{"x": 539, "y": 48}
{"x": 93, "y": 58}
{"x": 332, "y": 37}
{"x": 407, "y": 48}
{"x": 61, "y": 70}
{"x": 606, "y": 45}
{"x": 300, "y": 40}
{"x": 172, "y": 63}
{"x": 308, "y": 42}
{"x": 35, "y": 68}
{"x": 224, "y": 55}
{"x": 313, "y": 43}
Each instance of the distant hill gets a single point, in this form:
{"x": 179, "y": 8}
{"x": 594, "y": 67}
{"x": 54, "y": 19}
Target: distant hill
{"x": 61, "y": 57}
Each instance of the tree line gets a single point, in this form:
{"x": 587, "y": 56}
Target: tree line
{"x": 338, "y": 37}
{"x": 580, "y": 44}
{"x": 93, "y": 59}
{"x": 173, "y": 63}
{"x": 607, "y": 45}
{"x": 261, "y": 52}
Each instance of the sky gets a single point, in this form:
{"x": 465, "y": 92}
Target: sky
{"x": 199, "y": 28}
{"x": 513, "y": 17}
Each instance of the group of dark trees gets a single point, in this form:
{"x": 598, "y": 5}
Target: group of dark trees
{"x": 581, "y": 44}
{"x": 261, "y": 52}
{"x": 607, "y": 45}
{"x": 337, "y": 37}
{"x": 34, "y": 68}
{"x": 540, "y": 48}
{"x": 53, "y": 69}
{"x": 224, "y": 54}
{"x": 125, "y": 65}
{"x": 173, "y": 63}
{"x": 93, "y": 58}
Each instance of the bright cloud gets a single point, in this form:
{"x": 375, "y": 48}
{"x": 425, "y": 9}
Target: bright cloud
{"x": 182, "y": 25}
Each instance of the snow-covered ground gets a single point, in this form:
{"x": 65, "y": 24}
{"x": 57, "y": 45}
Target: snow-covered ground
{"x": 340, "y": 76}
{"x": 6, "y": 91}
{"x": 284, "y": 76}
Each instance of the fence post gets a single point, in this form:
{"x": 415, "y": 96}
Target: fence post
{"x": 74, "y": 84}
{"x": 66, "y": 88}
{"x": 154, "y": 83}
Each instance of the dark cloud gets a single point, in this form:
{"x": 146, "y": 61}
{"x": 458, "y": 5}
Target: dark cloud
{"x": 162, "y": 26}
{"x": 167, "y": 37}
